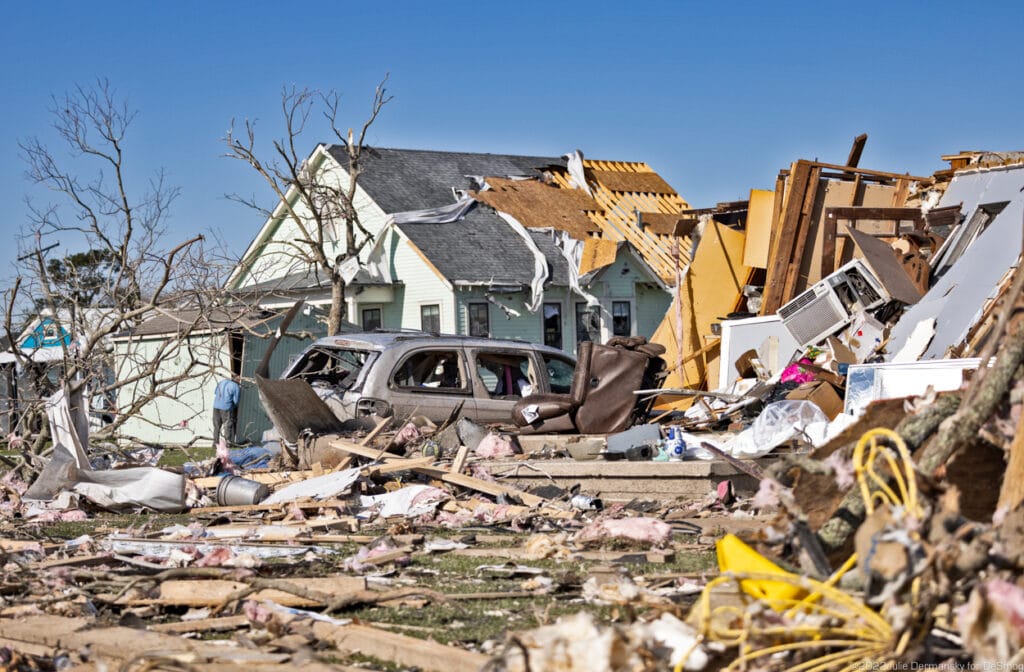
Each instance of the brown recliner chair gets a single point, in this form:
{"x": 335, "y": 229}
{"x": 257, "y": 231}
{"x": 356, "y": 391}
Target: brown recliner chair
{"x": 601, "y": 398}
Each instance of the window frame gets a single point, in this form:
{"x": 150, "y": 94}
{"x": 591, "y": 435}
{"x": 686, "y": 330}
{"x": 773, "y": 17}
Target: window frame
{"x": 470, "y": 319}
{"x": 544, "y": 325}
{"x": 424, "y": 307}
{"x": 615, "y": 318}
{"x": 380, "y": 317}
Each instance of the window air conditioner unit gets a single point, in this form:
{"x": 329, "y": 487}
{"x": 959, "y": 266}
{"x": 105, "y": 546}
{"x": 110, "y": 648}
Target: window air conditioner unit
{"x": 831, "y": 304}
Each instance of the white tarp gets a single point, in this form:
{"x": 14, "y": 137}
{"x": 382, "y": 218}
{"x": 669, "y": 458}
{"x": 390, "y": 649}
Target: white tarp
{"x": 69, "y": 469}
{"x": 318, "y": 487}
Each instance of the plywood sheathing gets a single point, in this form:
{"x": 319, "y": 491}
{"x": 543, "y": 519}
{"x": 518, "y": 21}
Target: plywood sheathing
{"x": 759, "y": 228}
{"x": 597, "y": 253}
{"x": 539, "y": 205}
{"x": 711, "y": 288}
{"x": 661, "y": 223}
{"x": 618, "y": 220}
{"x": 643, "y": 181}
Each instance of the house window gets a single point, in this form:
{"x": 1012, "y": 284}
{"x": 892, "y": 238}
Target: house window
{"x": 622, "y": 320}
{"x": 588, "y": 324}
{"x": 479, "y": 320}
{"x": 553, "y": 324}
{"x": 966, "y": 234}
{"x": 371, "y": 319}
{"x": 430, "y": 318}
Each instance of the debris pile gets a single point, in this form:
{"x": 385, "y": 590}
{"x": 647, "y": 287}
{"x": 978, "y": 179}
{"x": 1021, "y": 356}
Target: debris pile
{"x": 815, "y": 464}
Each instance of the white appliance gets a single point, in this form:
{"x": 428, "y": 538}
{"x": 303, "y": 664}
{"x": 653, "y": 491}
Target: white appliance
{"x": 829, "y": 305}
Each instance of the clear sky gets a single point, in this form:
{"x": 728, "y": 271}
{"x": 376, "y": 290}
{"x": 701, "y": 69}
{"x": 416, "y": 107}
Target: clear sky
{"x": 715, "y": 96}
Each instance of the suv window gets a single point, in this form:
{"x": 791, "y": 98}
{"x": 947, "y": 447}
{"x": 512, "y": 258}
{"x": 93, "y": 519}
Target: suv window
{"x": 333, "y": 367}
{"x": 431, "y": 369}
{"x": 560, "y": 374}
{"x": 505, "y": 375}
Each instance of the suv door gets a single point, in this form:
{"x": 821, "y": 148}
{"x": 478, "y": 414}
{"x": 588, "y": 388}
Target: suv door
{"x": 501, "y": 377}
{"x": 431, "y": 381}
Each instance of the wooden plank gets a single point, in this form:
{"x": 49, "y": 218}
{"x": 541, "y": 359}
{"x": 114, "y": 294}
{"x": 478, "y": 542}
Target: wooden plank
{"x": 865, "y": 171}
{"x": 211, "y": 592}
{"x": 897, "y": 214}
{"x": 856, "y": 150}
{"x": 461, "y": 480}
{"x": 803, "y": 228}
{"x": 394, "y": 466}
{"x": 460, "y": 460}
{"x": 376, "y": 430}
{"x": 785, "y": 237}
{"x": 400, "y": 649}
{"x": 486, "y": 487}
{"x": 899, "y": 198}
{"x": 252, "y": 508}
{"x": 265, "y": 477}
{"x": 828, "y": 243}
{"x": 202, "y": 625}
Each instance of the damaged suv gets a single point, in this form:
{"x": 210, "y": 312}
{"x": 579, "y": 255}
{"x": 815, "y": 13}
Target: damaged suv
{"x": 403, "y": 373}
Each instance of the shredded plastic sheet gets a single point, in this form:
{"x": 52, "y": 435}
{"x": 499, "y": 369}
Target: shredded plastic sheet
{"x": 411, "y": 501}
{"x": 318, "y": 487}
{"x": 69, "y": 469}
{"x": 778, "y": 423}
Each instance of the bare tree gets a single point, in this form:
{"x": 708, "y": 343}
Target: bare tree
{"x": 125, "y": 273}
{"x": 313, "y": 203}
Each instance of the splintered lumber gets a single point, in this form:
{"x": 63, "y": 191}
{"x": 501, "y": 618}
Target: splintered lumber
{"x": 44, "y": 635}
{"x": 460, "y": 459}
{"x": 803, "y": 233}
{"x": 461, "y": 480}
{"x": 786, "y": 231}
{"x": 212, "y": 592}
{"x": 395, "y": 466}
{"x": 202, "y": 625}
{"x": 399, "y": 649}
{"x": 265, "y": 477}
{"x": 281, "y": 506}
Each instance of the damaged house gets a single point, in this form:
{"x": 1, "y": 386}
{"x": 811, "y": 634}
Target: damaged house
{"x": 544, "y": 249}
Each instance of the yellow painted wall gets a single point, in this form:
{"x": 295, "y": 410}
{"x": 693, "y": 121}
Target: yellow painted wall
{"x": 709, "y": 291}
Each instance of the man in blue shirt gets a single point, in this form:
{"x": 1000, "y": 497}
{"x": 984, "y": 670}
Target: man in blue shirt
{"x": 225, "y": 401}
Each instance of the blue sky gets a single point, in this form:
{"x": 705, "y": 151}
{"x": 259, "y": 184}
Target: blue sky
{"x": 716, "y": 97}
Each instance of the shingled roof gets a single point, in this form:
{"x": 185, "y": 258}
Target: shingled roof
{"x": 482, "y": 248}
{"x": 479, "y": 248}
{"x": 399, "y": 180}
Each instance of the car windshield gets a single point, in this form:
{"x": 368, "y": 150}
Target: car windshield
{"x": 331, "y": 366}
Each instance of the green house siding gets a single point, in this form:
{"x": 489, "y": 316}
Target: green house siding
{"x": 179, "y": 418}
{"x": 652, "y": 303}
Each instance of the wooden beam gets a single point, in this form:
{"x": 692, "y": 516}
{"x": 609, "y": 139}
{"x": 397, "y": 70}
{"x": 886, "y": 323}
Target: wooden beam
{"x": 785, "y": 236}
{"x": 399, "y": 649}
{"x": 864, "y": 171}
{"x": 856, "y": 150}
{"x": 460, "y": 459}
{"x": 202, "y": 625}
{"x": 802, "y": 234}
{"x": 212, "y": 592}
{"x": 855, "y": 213}
{"x": 461, "y": 480}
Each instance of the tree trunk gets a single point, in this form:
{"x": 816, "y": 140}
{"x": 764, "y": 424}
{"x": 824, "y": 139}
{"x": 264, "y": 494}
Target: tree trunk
{"x": 338, "y": 308}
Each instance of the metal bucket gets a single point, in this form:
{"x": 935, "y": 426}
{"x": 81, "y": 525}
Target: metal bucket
{"x": 238, "y": 491}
